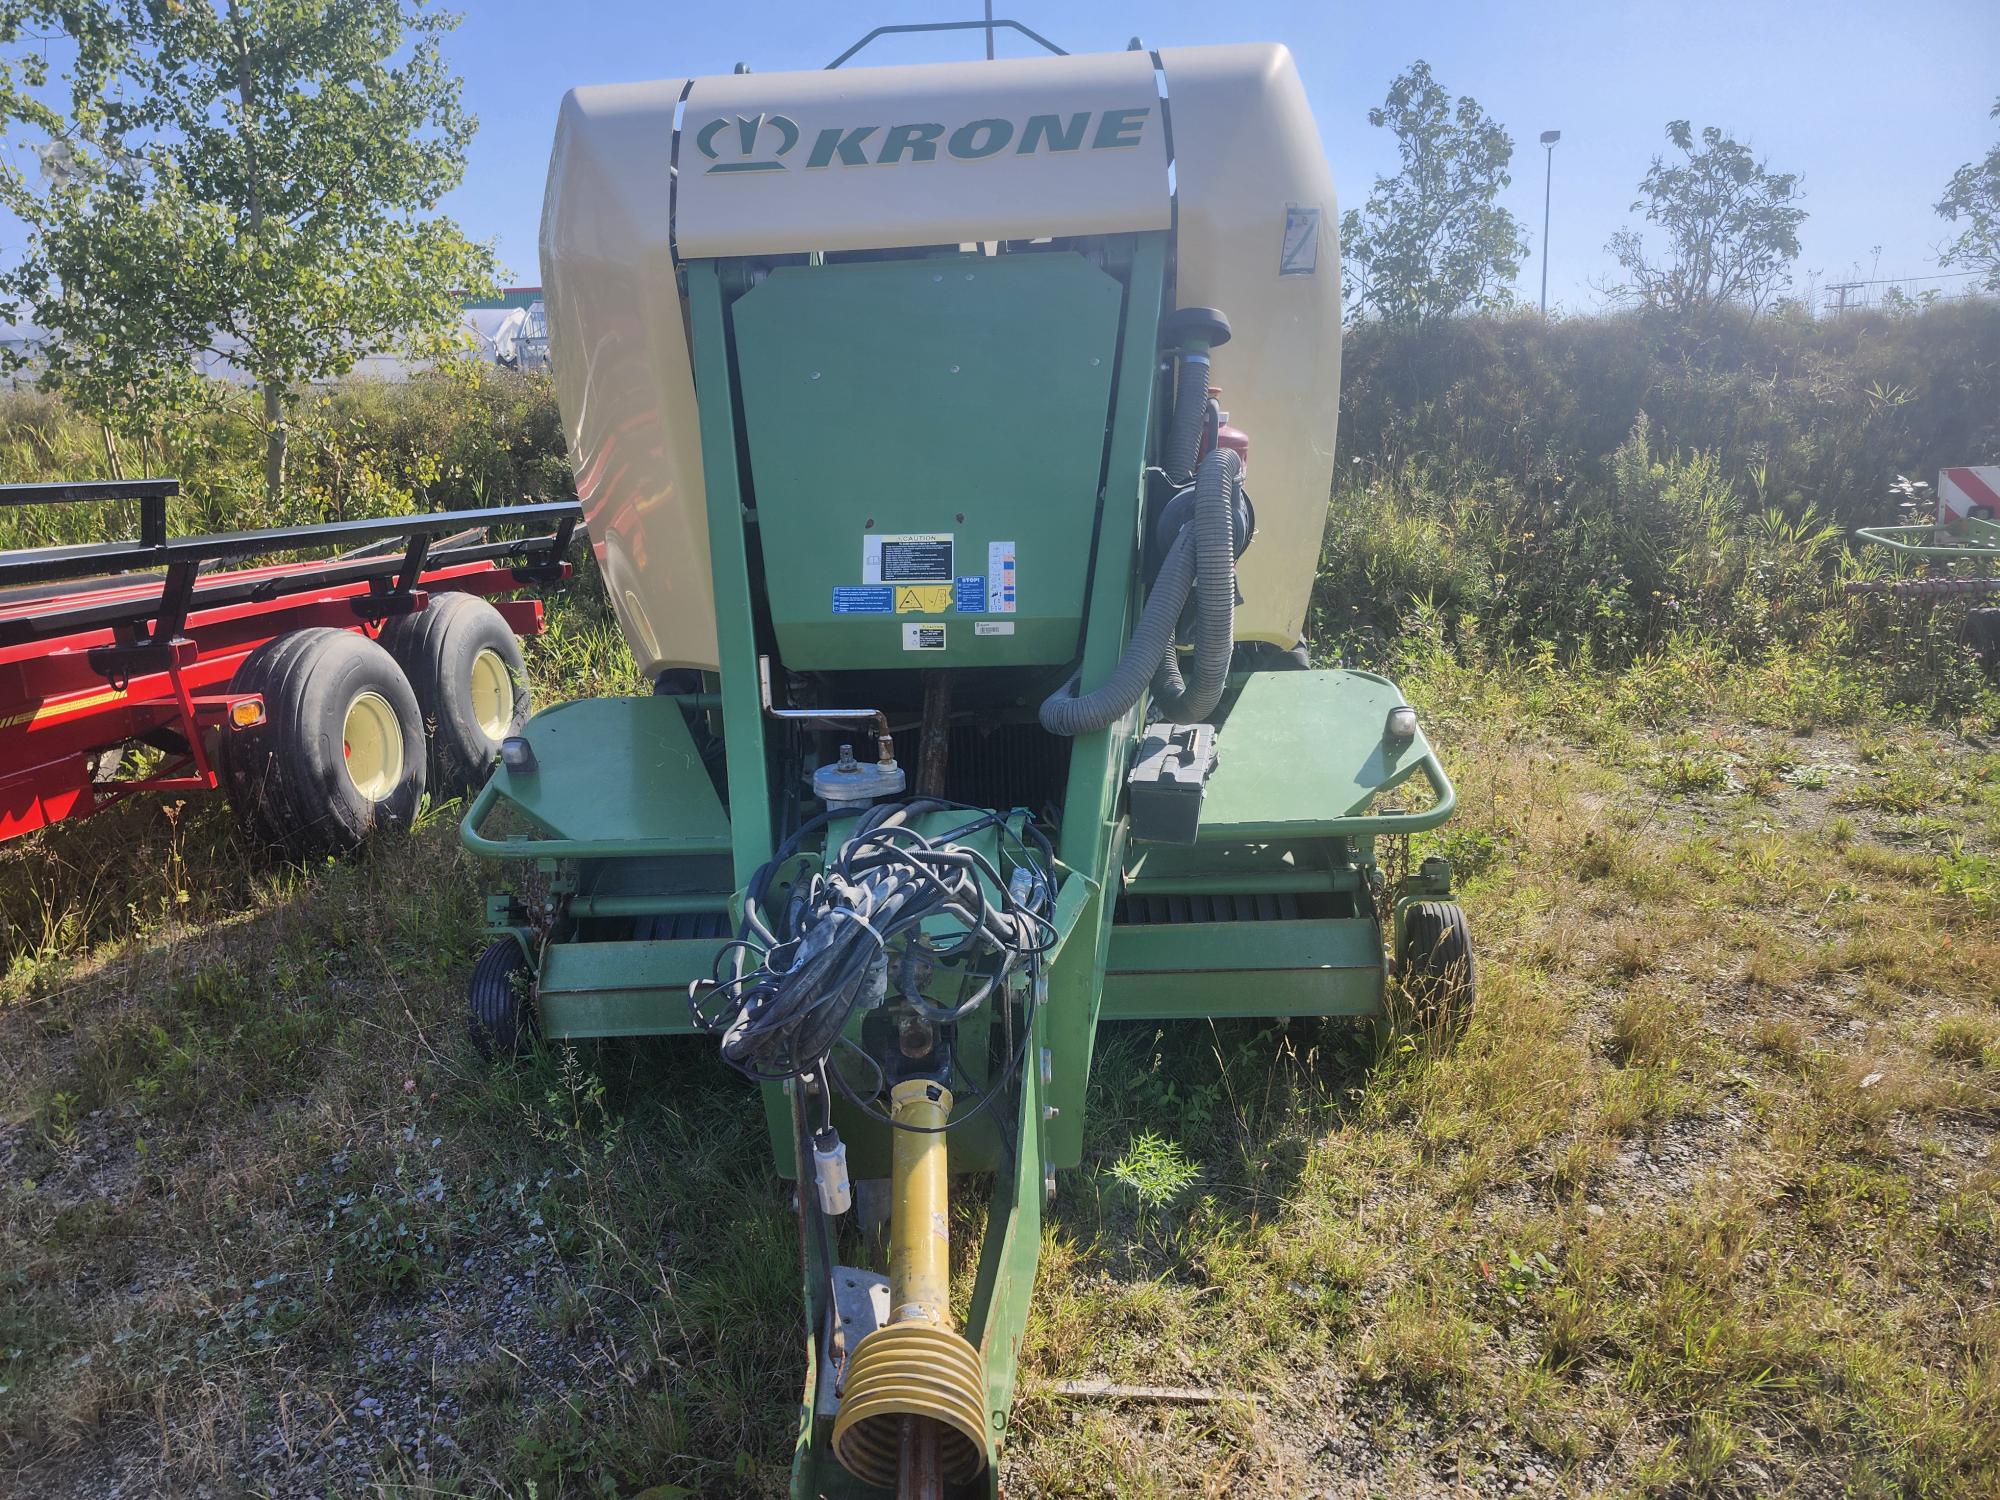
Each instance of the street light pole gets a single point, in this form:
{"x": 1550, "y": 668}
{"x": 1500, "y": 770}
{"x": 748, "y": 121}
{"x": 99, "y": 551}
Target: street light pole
{"x": 1549, "y": 139}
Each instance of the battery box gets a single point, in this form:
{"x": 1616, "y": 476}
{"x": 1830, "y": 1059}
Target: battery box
{"x": 1169, "y": 774}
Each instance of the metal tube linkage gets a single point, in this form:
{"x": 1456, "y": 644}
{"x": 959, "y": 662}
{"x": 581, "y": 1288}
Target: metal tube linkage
{"x": 885, "y": 743}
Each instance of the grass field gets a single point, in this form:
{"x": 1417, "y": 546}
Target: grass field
{"x": 1703, "y": 1203}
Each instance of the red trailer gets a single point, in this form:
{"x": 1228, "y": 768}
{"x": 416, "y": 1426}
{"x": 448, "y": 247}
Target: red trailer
{"x": 327, "y": 696}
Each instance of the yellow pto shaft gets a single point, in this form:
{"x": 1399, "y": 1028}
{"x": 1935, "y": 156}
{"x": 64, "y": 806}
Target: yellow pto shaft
{"x": 913, "y": 1406}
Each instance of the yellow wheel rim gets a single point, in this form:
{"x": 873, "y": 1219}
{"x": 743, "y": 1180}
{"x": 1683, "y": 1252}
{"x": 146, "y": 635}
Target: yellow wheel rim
{"x": 492, "y": 695}
{"x": 371, "y": 744}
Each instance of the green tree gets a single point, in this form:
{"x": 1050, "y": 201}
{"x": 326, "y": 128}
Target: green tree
{"x": 1732, "y": 229}
{"x": 254, "y": 178}
{"x": 1973, "y": 197}
{"x": 1433, "y": 240}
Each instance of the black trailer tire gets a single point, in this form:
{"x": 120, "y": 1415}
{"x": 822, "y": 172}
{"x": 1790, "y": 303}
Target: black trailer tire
{"x": 471, "y": 682}
{"x": 1435, "y": 963}
{"x": 340, "y": 754}
{"x": 501, "y": 1008}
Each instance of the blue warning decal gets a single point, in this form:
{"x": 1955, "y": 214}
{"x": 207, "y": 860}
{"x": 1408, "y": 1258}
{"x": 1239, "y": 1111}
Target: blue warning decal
{"x": 864, "y": 599}
{"x": 971, "y": 595}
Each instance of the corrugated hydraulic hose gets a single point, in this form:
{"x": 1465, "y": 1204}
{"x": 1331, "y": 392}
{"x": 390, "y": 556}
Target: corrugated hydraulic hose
{"x": 1206, "y": 546}
{"x": 1190, "y": 416}
{"x": 1214, "y": 527}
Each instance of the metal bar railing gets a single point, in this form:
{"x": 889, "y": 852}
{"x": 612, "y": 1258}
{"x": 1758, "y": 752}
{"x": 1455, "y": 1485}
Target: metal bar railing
{"x": 46, "y": 564}
{"x": 1359, "y": 825}
{"x": 981, "y": 25}
{"x": 532, "y": 846}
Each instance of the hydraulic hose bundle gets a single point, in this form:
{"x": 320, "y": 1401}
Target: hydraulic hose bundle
{"x": 805, "y": 969}
{"x": 1201, "y": 561}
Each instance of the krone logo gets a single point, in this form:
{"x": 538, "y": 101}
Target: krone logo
{"x": 749, "y": 130}
{"x": 917, "y": 141}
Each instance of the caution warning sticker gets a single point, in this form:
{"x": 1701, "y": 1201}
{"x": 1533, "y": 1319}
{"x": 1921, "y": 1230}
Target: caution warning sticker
{"x": 1000, "y": 578}
{"x": 848, "y": 599}
{"x": 923, "y": 637}
{"x": 917, "y": 557}
{"x": 923, "y": 598}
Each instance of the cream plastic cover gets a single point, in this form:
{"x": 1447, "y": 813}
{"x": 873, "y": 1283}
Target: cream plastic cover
{"x": 618, "y": 346}
{"x": 942, "y": 154}
{"x": 951, "y": 153}
{"x": 1249, "y": 165}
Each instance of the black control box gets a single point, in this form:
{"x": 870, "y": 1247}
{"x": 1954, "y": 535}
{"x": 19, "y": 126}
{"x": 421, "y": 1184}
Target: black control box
{"x": 1169, "y": 774}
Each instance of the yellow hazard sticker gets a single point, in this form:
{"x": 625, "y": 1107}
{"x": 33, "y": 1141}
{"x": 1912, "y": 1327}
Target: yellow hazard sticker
{"x": 57, "y": 710}
{"x": 923, "y": 599}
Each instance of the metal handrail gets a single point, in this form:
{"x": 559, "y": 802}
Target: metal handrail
{"x": 1359, "y": 825}
{"x": 528, "y": 846}
{"x": 1981, "y": 540}
{"x": 996, "y": 25}
{"x": 47, "y": 564}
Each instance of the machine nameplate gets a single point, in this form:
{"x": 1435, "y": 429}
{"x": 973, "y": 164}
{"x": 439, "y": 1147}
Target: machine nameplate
{"x": 1300, "y": 254}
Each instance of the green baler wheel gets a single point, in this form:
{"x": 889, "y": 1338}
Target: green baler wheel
{"x": 1436, "y": 965}
{"x": 501, "y": 1001}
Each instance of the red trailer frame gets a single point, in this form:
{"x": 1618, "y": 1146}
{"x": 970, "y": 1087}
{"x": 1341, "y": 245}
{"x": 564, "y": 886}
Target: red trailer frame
{"x": 107, "y": 645}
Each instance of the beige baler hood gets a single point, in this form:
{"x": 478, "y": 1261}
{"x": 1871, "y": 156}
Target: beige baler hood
{"x": 940, "y": 154}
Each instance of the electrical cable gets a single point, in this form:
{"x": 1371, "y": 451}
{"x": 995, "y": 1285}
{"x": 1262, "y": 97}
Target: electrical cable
{"x": 801, "y": 968}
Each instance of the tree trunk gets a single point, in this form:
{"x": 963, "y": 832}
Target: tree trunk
{"x": 276, "y": 440}
{"x": 275, "y": 434}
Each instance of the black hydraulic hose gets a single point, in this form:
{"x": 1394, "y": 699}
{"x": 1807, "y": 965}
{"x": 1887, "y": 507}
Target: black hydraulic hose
{"x": 1152, "y": 638}
{"x": 1214, "y": 526}
{"x": 1190, "y": 415}
{"x": 1205, "y": 550}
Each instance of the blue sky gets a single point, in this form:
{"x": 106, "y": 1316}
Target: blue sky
{"x": 1873, "y": 105}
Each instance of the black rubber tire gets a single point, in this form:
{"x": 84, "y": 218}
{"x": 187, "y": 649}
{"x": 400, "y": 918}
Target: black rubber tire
{"x": 288, "y": 777}
{"x": 1440, "y": 976}
{"x": 1262, "y": 656}
{"x": 500, "y": 1001}
{"x": 436, "y": 647}
{"x": 1982, "y": 634}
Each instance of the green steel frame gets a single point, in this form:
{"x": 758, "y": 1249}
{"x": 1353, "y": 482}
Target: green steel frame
{"x": 1974, "y": 540}
{"x": 668, "y": 846}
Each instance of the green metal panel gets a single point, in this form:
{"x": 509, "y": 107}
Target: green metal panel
{"x": 735, "y": 631}
{"x": 1300, "y": 753}
{"x": 963, "y": 398}
{"x": 1201, "y": 947}
{"x": 1309, "y": 967}
{"x": 1010, "y": 1250}
{"x": 621, "y": 989}
{"x": 1248, "y": 992}
{"x": 1971, "y": 540}
{"x": 1092, "y": 837}
{"x": 616, "y": 777}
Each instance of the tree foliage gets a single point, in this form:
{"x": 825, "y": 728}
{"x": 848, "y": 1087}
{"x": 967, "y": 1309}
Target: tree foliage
{"x": 1732, "y": 228}
{"x": 251, "y": 178}
{"x": 1973, "y": 199}
{"x": 1433, "y": 240}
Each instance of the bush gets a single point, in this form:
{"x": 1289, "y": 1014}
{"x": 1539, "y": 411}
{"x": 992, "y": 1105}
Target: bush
{"x": 1602, "y": 490}
{"x": 462, "y": 436}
